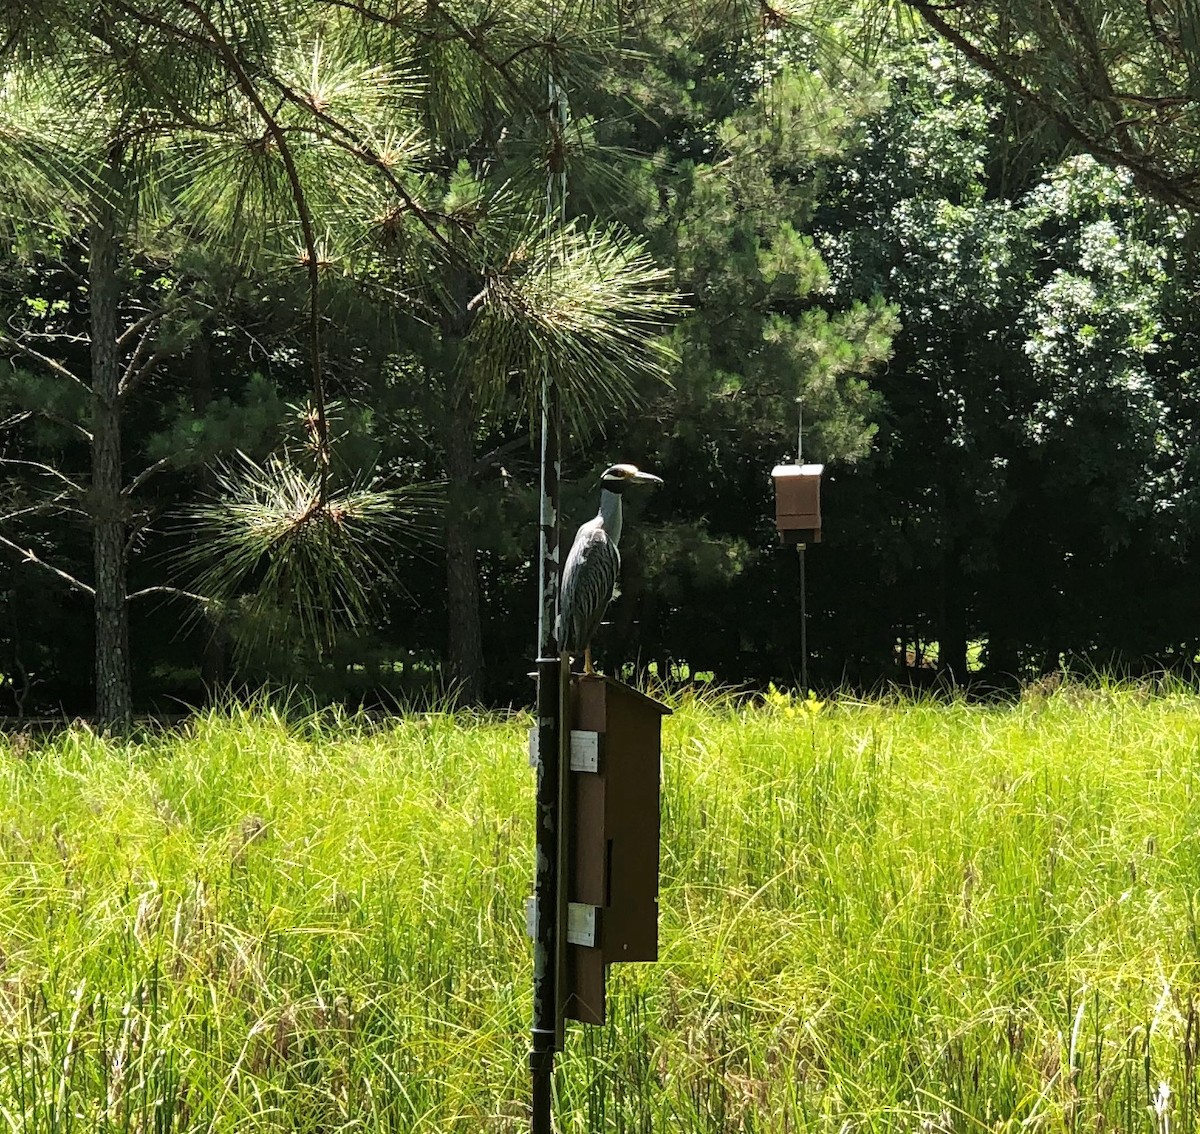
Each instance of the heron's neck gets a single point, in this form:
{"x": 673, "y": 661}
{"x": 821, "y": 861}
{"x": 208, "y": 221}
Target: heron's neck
{"x": 610, "y": 514}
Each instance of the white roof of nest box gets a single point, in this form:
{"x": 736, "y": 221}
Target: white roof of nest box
{"x": 797, "y": 470}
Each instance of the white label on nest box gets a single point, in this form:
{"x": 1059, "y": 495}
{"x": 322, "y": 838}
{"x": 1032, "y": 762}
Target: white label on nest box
{"x": 585, "y": 750}
{"x": 581, "y": 924}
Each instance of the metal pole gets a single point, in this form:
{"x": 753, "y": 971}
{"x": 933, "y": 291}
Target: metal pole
{"x": 549, "y": 911}
{"x": 800, "y": 549}
{"x": 803, "y": 623}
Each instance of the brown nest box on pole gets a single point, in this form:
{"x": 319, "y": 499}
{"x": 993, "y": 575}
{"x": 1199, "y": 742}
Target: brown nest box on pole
{"x": 798, "y": 503}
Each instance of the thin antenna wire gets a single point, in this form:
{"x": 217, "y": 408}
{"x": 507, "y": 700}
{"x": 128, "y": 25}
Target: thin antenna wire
{"x": 800, "y": 432}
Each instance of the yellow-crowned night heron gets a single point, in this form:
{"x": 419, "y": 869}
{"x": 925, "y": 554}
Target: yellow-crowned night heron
{"x": 593, "y": 566}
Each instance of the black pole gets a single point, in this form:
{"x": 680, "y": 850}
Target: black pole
{"x": 549, "y": 894}
{"x": 548, "y": 917}
{"x": 545, "y": 944}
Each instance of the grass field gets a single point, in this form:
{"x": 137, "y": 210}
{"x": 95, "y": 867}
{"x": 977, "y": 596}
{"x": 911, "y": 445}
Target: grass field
{"x": 888, "y": 916}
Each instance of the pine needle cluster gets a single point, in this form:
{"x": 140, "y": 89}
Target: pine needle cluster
{"x": 298, "y": 563}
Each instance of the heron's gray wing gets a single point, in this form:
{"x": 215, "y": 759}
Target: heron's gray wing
{"x": 589, "y": 579}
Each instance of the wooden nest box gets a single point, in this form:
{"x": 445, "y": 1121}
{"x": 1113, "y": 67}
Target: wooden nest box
{"x": 616, "y": 762}
{"x": 798, "y": 502}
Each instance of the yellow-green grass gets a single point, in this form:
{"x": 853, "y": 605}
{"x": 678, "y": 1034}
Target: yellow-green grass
{"x": 875, "y": 916}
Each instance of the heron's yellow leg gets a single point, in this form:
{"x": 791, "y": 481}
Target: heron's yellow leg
{"x": 587, "y": 660}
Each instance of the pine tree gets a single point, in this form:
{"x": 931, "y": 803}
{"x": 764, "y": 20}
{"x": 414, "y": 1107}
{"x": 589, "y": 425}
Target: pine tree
{"x": 295, "y": 139}
{"x": 158, "y": 148}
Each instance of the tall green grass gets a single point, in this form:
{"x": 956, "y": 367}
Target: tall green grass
{"x": 879, "y": 916}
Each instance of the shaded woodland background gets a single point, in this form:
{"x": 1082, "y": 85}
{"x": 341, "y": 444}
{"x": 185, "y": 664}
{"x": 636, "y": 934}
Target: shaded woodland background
{"x": 986, "y": 304}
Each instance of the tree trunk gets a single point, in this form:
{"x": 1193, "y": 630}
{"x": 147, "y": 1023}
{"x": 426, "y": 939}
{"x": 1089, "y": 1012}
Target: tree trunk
{"x": 465, "y": 644}
{"x": 113, "y": 679}
{"x": 213, "y": 674}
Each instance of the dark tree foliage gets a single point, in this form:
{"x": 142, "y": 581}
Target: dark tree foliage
{"x": 1027, "y": 492}
{"x": 992, "y": 335}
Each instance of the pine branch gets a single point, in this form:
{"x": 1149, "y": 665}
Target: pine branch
{"x": 33, "y": 510}
{"x": 1170, "y": 190}
{"x": 174, "y": 591}
{"x": 50, "y": 363}
{"x": 345, "y": 139}
{"x": 133, "y": 377}
{"x": 53, "y": 337}
{"x": 1100, "y": 81}
{"x": 475, "y": 43}
{"x": 131, "y": 59}
{"x": 135, "y": 358}
{"x": 464, "y": 35}
{"x": 49, "y": 470}
{"x": 278, "y": 135}
{"x": 49, "y": 415}
{"x": 67, "y": 423}
{"x": 15, "y": 420}
{"x": 139, "y": 328}
{"x": 177, "y": 31}
{"x": 145, "y": 475}
{"x": 27, "y": 556}
{"x": 343, "y": 136}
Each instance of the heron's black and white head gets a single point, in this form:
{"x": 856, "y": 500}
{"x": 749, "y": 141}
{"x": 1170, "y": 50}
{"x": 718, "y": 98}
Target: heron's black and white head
{"x": 616, "y": 478}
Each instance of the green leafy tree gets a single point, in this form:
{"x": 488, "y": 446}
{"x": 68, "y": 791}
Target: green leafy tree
{"x": 1117, "y": 79}
{"x": 1025, "y": 443}
{"x": 265, "y": 135}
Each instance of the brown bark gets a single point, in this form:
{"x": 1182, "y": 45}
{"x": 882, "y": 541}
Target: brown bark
{"x": 113, "y": 679}
{"x": 465, "y": 637}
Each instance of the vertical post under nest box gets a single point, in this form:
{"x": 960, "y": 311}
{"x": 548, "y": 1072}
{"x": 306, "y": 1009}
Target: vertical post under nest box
{"x": 798, "y": 521}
